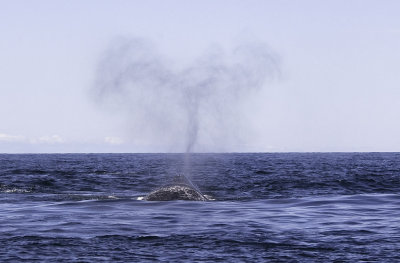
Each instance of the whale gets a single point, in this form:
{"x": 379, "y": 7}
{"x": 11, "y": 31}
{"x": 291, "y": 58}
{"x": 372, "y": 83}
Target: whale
{"x": 181, "y": 189}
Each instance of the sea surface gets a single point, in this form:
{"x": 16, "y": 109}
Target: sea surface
{"x": 267, "y": 207}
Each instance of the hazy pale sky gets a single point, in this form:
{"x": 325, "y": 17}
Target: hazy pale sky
{"x": 338, "y": 87}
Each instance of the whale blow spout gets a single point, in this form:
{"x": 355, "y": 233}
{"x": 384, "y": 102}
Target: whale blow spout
{"x": 181, "y": 189}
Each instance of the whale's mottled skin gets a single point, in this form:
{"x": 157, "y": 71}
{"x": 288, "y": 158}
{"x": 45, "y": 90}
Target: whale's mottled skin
{"x": 183, "y": 189}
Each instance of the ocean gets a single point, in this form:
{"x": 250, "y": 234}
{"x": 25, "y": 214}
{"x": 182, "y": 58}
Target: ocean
{"x": 265, "y": 207}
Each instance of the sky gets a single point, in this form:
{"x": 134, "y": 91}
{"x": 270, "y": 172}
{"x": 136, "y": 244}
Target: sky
{"x": 337, "y": 86}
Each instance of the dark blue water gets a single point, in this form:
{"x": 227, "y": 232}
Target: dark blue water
{"x": 312, "y": 207}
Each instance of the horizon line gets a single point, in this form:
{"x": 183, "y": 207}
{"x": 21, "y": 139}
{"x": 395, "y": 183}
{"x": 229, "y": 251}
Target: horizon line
{"x": 234, "y": 152}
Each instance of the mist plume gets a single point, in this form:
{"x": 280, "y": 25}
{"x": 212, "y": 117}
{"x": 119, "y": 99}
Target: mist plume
{"x": 184, "y": 107}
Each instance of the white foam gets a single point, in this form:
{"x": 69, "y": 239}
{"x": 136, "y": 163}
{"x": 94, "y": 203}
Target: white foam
{"x": 15, "y": 190}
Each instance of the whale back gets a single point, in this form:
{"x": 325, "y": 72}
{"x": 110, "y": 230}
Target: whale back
{"x": 181, "y": 189}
